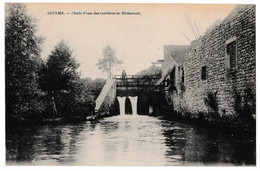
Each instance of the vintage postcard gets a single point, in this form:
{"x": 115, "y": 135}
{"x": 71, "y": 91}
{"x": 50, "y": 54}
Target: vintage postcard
{"x": 130, "y": 84}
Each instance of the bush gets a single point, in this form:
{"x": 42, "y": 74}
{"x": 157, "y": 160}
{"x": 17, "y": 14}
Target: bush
{"x": 211, "y": 102}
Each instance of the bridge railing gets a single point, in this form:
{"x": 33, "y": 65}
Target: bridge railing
{"x": 135, "y": 81}
{"x": 135, "y": 77}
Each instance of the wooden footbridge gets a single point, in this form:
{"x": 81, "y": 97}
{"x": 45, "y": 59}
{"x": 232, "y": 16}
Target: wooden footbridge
{"x": 136, "y": 82}
{"x": 129, "y": 85}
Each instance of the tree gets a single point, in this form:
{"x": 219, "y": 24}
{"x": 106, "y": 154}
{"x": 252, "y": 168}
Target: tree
{"x": 95, "y": 86}
{"x": 109, "y": 61}
{"x": 22, "y": 63}
{"x": 61, "y": 81}
{"x": 152, "y": 71}
{"x": 60, "y": 70}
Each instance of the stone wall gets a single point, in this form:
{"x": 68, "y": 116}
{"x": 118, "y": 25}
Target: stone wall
{"x": 107, "y": 101}
{"x": 231, "y": 90}
{"x": 174, "y": 56}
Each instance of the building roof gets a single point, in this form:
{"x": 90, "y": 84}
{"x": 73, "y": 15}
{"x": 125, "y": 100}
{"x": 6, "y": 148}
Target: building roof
{"x": 178, "y": 52}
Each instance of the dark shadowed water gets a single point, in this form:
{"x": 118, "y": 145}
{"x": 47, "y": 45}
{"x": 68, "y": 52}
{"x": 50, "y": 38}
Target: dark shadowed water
{"x": 127, "y": 140}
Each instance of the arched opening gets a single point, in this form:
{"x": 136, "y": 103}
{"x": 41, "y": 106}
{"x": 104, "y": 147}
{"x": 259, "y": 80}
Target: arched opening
{"x": 142, "y": 104}
{"x": 128, "y": 107}
{"x": 116, "y": 109}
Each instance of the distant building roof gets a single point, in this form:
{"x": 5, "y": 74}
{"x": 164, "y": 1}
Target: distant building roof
{"x": 177, "y": 52}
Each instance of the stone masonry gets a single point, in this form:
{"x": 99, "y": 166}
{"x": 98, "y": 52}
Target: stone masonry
{"x": 106, "y": 98}
{"x": 219, "y": 69}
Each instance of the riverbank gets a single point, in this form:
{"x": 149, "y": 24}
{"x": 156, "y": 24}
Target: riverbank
{"x": 223, "y": 124}
{"x": 16, "y": 123}
{"x": 215, "y": 124}
{"x": 56, "y": 121}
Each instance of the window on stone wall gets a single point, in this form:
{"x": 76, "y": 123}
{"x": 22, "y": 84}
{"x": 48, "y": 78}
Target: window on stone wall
{"x": 204, "y": 73}
{"x": 231, "y": 53}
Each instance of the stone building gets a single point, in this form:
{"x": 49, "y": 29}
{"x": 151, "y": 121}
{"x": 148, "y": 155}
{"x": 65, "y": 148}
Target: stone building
{"x": 216, "y": 74}
{"x": 173, "y": 74}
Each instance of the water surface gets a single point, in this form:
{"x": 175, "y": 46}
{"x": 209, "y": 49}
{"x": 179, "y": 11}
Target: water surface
{"x": 125, "y": 141}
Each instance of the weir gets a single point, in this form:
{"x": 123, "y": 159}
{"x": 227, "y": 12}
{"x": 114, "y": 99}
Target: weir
{"x": 132, "y": 86}
{"x": 133, "y": 101}
{"x": 121, "y": 101}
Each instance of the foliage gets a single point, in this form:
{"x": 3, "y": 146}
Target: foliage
{"x": 152, "y": 71}
{"x": 37, "y": 89}
{"x": 59, "y": 72}
{"x": 95, "y": 86}
{"x": 218, "y": 22}
{"x": 238, "y": 102}
{"x": 213, "y": 26}
{"x": 109, "y": 61}
{"x": 211, "y": 102}
{"x": 22, "y": 62}
{"x": 60, "y": 79}
{"x": 245, "y": 108}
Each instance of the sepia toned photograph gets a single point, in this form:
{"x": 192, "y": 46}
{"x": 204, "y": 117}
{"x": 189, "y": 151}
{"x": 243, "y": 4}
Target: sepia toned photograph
{"x": 130, "y": 84}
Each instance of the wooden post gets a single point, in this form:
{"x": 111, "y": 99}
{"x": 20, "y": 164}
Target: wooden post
{"x": 138, "y": 84}
{"x": 126, "y": 83}
{"x": 149, "y": 88}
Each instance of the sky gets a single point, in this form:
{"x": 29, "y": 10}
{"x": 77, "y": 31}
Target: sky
{"x": 137, "y": 39}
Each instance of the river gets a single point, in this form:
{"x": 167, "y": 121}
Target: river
{"x": 126, "y": 141}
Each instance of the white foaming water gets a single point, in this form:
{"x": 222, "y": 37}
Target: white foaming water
{"x": 133, "y": 101}
{"x": 121, "y": 101}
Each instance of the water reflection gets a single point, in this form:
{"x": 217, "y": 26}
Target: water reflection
{"x": 127, "y": 140}
{"x": 195, "y": 146}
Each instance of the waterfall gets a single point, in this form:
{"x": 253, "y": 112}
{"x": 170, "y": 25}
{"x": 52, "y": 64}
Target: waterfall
{"x": 133, "y": 101}
{"x": 121, "y": 101}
